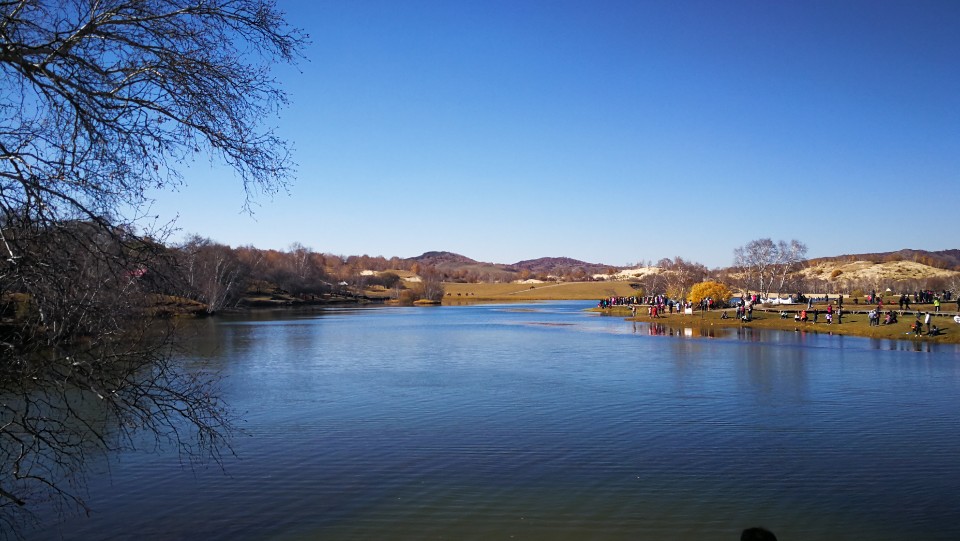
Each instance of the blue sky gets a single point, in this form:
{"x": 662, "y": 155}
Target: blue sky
{"x": 610, "y": 132}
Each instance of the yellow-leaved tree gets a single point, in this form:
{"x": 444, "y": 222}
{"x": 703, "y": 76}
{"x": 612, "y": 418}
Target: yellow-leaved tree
{"x": 714, "y": 290}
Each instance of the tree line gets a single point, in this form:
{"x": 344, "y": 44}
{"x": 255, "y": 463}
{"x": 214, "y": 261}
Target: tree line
{"x": 221, "y": 277}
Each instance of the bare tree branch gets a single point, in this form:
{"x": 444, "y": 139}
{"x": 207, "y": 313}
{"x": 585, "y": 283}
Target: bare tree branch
{"x": 100, "y": 102}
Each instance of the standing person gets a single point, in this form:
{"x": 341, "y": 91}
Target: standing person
{"x": 829, "y": 313}
{"x": 839, "y": 315}
{"x": 936, "y": 304}
{"x": 926, "y": 321}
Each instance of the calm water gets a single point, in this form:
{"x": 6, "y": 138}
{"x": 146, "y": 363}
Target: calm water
{"x": 543, "y": 422}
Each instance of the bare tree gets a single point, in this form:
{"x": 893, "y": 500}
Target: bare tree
{"x": 213, "y": 273}
{"x": 755, "y": 260}
{"x": 100, "y": 101}
{"x": 761, "y": 261}
{"x": 431, "y": 284}
{"x": 680, "y": 275}
{"x": 789, "y": 257}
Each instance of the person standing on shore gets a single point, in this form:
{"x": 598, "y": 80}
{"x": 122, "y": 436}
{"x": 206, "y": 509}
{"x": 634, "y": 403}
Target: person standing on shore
{"x": 926, "y": 321}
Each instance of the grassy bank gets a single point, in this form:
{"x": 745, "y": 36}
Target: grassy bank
{"x": 855, "y": 323}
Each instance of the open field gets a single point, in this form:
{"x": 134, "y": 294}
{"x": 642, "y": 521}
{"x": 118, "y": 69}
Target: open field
{"x": 548, "y": 291}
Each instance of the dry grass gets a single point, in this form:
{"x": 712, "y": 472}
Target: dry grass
{"x": 549, "y": 291}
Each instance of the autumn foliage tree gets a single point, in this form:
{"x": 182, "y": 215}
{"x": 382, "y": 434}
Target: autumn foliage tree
{"x": 709, "y": 290}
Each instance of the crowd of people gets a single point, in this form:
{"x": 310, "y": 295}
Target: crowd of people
{"x": 619, "y": 301}
{"x": 657, "y": 304}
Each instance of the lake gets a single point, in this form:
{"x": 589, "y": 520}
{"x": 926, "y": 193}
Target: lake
{"x": 544, "y": 422}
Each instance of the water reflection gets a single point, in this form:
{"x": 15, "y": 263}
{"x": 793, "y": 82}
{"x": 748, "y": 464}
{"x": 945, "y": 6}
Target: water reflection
{"x": 542, "y": 422}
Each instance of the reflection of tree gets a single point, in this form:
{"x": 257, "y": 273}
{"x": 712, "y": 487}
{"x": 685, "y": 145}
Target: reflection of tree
{"x": 99, "y": 103}
{"x": 83, "y": 370}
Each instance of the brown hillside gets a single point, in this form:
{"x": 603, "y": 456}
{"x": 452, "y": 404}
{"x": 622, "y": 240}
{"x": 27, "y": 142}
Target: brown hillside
{"x": 943, "y": 259}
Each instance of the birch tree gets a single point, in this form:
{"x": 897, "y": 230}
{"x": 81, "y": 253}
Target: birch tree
{"x": 213, "y": 273}
{"x": 790, "y": 256}
{"x": 762, "y": 261}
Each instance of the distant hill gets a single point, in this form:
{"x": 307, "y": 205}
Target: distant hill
{"x": 549, "y": 264}
{"x": 460, "y": 267}
{"x": 943, "y": 259}
{"x": 443, "y": 259}
{"x": 906, "y": 264}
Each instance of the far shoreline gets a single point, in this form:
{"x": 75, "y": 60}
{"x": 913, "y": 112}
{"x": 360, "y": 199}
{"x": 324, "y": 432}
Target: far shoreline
{"x": 855, "y": 322}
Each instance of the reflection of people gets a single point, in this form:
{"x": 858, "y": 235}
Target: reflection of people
{"x": 757, "y": 534}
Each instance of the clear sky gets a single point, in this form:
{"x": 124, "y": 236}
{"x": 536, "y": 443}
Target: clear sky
{"x": 610, "y": 132}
